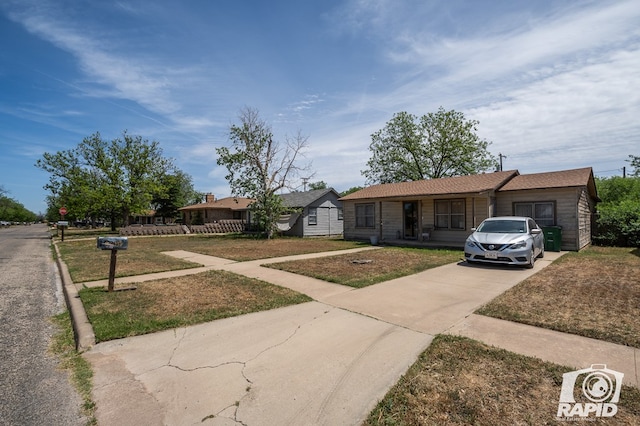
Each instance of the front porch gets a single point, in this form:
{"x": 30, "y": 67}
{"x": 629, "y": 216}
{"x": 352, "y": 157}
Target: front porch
{"x": 454, "y": 245}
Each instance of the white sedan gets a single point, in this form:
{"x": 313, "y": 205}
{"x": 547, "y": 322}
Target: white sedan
{"x": 510, "y": 240}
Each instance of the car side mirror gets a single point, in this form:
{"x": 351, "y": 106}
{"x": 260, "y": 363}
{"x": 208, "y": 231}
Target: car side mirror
{"x": 536, "y": 231}
{"x": 473, "y": 229}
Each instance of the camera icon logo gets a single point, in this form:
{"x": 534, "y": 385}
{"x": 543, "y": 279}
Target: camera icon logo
{"x": 600, "y": 391}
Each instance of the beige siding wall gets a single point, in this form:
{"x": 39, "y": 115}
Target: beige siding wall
{"x": 349, "y": 222}
{"x": 392, "y": 220}
{"x": 566, "y": 209}
{"x": 585, "y": 207}
{"x": 476, "y": 210}
{"x": 479, "y": 213}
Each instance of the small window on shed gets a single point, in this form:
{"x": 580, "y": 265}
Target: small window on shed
{"x": 313, "y": 216}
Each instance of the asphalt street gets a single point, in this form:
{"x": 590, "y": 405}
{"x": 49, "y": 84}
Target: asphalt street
{"x": 33, "y": 391}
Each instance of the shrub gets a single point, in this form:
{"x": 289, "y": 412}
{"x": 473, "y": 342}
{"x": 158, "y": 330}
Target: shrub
{"x": 618, "y": 224}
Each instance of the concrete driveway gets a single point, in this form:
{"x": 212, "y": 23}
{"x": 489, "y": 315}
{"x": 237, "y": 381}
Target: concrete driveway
{"x": 325, "y": 362}
{"x": 434, "y": 300}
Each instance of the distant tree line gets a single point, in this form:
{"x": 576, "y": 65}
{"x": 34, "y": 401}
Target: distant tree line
{"x": 13, "y": 211}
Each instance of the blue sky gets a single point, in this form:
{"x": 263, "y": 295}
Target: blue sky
{"x": 554, "y": 84}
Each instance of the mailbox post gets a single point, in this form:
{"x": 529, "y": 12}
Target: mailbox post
{"x": 61, "y": 225}
{"x": 114, "y": 244}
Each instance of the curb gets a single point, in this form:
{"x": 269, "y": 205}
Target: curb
{"x": 82, "y": 329}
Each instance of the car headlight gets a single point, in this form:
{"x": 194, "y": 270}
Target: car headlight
{"x": 471, "y": 244}
{"x": 519, "y": 245}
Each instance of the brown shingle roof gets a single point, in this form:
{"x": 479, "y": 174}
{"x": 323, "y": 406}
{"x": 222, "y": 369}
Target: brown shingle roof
{"x": 443, "y": 186}
{"x": 231, "y": 203}
{"x": 560, "y": 179}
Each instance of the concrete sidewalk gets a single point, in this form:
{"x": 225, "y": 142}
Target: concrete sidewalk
{"x": 325, "y": 362}
{"x": 553, "y": 346}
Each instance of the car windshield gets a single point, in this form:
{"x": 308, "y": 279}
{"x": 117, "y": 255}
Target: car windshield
{"x": 503, "y": 226}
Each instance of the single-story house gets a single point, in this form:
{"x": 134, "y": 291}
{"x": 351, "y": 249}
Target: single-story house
{"x": 313, "y": 213}
{"x": 213, "y": 210}
{"x": 444, "y": 211}
{"x": 147, "y": 217}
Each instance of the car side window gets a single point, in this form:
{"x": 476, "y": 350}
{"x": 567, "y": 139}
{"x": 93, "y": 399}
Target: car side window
{"x": 532, "y": 225}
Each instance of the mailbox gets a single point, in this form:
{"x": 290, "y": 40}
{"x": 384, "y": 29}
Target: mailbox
{"x": 113, "y": 243}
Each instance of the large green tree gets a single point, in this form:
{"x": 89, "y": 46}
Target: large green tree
{"x": 106, "y": 179}
{"x": 318, "y": 185}
{"x": 436, "y": 145}
{"x": 175, "y": 191}
{"x": 258, "y": 166}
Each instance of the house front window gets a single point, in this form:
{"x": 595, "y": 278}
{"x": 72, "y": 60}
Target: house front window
{"x": 313, "y": 216}
{"x": 340, "y": 214}
{"x": 365, "y": 215}
{"x": 542, "y": 212}
{"x": 450, "y": 214}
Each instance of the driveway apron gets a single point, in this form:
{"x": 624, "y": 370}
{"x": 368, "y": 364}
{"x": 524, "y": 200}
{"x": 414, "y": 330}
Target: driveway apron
{"x": 308, "y": 364}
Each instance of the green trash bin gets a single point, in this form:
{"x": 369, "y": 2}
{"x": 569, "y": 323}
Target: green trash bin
{"x": 552, "y": 237}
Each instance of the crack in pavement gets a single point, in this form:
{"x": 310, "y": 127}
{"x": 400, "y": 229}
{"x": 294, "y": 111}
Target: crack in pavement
{"x": 234, "y": 416}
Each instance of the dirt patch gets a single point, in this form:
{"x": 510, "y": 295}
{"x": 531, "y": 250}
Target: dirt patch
{"x": 87, "y": 263}
{"x": 168, "y": 303}
{"x": 370, "y": 267}
{"x": 459, "y": 381}
{"x": 593, "y": 293}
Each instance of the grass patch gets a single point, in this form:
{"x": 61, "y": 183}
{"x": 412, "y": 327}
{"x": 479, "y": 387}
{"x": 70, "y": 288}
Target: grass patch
{"x": 243, "y": 247}
{"x": 63, "y": 346}
{"x": 593, "y": 293}
{"x": 459, "y": 381}
{"x": 169, "y": 303}
{"x": 370, "y": 267}
{"x": 87, "y": 263}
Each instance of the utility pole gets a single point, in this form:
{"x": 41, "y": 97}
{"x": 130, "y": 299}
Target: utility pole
{"x": 624, "y": 171}
{"x": 501, "y": 157}
{"x": 304, "y": 183}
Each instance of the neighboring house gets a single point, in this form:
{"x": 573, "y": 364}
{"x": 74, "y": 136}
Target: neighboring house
{"x": 145, "y": 218}
{"x": 212, "y": 210}
{"x": 313, "y": 213}
{"x": 444, "y": 210}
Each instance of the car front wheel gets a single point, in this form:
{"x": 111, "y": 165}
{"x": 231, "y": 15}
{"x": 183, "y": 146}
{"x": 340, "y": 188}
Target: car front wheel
{"x": 532, "y": 259}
